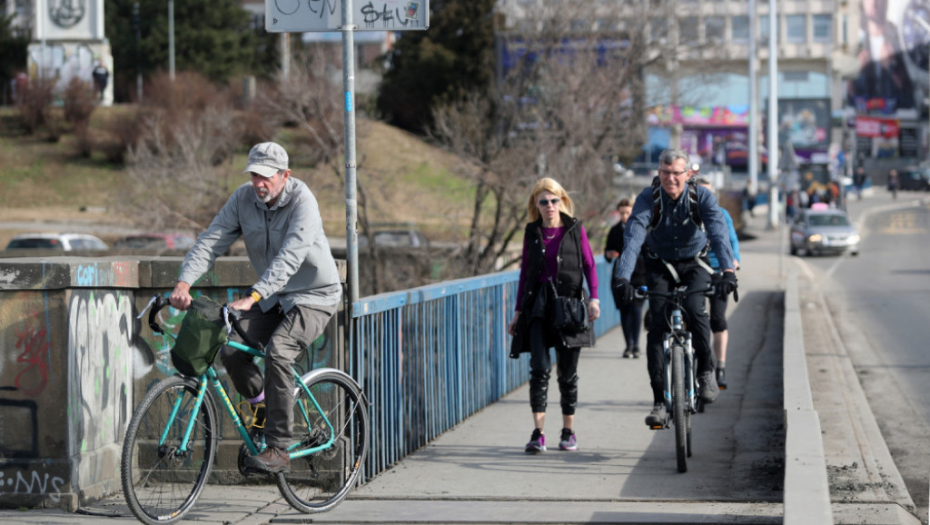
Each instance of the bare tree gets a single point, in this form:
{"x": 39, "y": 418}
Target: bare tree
{"x": 570, "y": 100}
{"x": 179, "y": 166}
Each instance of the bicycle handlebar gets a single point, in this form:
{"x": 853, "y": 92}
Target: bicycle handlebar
{"x": 161, "y": 302}
{"x": 680, "y": 291}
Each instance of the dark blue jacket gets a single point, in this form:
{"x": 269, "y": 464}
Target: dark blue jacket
{"x": 676, "y": 237}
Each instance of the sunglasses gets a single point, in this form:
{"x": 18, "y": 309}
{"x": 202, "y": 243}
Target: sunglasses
{"x": 554, "y": 202}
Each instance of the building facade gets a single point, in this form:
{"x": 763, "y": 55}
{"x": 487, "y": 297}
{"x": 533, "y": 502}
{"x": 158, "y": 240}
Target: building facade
{"x": 839, "y": 95}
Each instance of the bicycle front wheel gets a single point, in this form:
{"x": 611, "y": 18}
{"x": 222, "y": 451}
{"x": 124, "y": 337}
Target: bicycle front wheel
{"x": 336, "y": 418}
{"x": 679, "y": 408}
{"x": 161, "y": 483}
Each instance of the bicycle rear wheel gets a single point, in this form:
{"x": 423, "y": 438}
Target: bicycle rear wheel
{"x": 160, "y": 483}
{"x": 320, "y": 481}
{"x": 679, "y": 408}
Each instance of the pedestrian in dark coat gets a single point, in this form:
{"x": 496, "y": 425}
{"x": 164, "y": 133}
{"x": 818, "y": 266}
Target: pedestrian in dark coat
{"x": 556, "y": 258}
{"x": 631, "y": 315}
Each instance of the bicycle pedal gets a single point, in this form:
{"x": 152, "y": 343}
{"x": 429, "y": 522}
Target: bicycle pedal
{"x": 657, "y": 427}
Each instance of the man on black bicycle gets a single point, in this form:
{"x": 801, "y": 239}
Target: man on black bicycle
{"x": 674, "y": 223}
{"x": 297, "y": 291}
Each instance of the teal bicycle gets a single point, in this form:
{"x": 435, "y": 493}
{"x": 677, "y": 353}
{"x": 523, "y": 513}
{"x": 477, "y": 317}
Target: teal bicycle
{"x": 171, "y": 441}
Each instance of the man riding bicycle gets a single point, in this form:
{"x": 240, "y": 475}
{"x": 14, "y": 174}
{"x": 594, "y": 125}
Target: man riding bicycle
{"x": 675, "y": 222}
{"x": 297, "y": 292}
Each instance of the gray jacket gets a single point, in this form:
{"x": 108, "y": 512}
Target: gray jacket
{"x": 286, "y": 245}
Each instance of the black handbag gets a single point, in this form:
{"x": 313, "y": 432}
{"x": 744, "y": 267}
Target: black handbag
{"x": 570, "y": 314}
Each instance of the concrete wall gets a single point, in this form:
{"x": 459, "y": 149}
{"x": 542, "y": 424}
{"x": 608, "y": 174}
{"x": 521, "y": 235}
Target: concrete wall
{"x": 75, "y": 360}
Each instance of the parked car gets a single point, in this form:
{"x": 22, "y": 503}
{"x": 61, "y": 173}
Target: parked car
{"x": 823, "y": 232}
{"x": 67, "y": 242}
{"x": 396, "y": 235}
{"x": 156, "y": 241}
{"x": 913, "y": 178}
{"x": 396, "y": 239}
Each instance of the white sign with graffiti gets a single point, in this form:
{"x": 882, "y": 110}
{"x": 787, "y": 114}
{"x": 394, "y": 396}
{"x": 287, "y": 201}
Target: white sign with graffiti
{"x": 299, "y": 16}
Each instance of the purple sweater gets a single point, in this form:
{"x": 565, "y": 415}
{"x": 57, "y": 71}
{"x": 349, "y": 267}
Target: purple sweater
{"x": 552, "y": 238}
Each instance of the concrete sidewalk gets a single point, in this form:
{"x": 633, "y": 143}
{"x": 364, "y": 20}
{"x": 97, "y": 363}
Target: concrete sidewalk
{"x": 622, "y": 472}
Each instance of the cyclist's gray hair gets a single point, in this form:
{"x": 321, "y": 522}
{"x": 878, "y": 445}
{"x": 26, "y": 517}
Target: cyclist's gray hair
{"x": 671, "y": 155}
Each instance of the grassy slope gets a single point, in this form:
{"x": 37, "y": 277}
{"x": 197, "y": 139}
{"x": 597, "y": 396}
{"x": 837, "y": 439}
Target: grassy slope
{"x": 404, "y": 178}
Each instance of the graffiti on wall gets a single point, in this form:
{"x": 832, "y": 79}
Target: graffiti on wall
{"x": 32, "y": 347}
{"x": 26, "y": 373}
{"x": 100, "y": 357}
{"x": 31, "y": 482}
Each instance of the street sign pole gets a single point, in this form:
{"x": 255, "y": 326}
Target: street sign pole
{"x": 348, "y": 81}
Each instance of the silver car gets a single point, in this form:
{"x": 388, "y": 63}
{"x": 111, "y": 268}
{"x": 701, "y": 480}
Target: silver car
{"x": 823, "y": 232}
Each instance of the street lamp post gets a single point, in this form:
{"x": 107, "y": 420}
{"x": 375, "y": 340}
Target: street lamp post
{"x": 773, "y": 116}
{"x": 171, "y": 39}
{"x": 753, "y": 105}
{"x": 136, "y": 24}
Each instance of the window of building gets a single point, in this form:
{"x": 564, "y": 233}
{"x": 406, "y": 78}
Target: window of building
{"x": 796, "y": 28}
{"x": 714, "y": 28}
{"x": 764, "y": 29}
{"x": 688, "y": 30}
{"x": 658, "y": 28}
{"x": 606, "y": 24}
{"x": 580, "y": 26}
{"x": 823, "y": 28}
{"x": 739, "y": 28}
{"x": 797, "y": 84}
{"x": 526, "y": 26}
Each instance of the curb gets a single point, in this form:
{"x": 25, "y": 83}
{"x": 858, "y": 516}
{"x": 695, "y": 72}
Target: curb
{"x": 807, "y": 489}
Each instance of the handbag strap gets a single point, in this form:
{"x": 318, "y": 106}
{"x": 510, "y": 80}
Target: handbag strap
{"x": 546, "y": 267}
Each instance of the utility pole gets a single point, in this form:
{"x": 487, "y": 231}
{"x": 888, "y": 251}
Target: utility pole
{"x": 773, "y": 116}
{"x": 673, "y": 38}
{"x": 348, "y": 82}
{"x": 136, "y": 25}
{"x": 171, "y": 39}
{"x": 285, "y": 43}
{"x": 753, "y": 104}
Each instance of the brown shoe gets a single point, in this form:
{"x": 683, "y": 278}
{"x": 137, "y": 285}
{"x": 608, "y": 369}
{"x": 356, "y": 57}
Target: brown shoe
{"x": 272, "y": 461}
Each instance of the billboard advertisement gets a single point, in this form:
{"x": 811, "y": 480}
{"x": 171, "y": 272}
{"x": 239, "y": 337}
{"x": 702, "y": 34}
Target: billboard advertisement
{"x": 704, "y": 116}
{"x": 894, "y": 58}
{"x": 805, "y": 122}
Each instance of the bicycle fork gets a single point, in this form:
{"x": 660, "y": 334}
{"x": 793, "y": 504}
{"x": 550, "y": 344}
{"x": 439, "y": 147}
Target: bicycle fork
{"x": 678, "y": 336}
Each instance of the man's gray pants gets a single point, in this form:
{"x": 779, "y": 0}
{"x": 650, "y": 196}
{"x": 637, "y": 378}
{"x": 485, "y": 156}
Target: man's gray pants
{"x": 287, "y": 335}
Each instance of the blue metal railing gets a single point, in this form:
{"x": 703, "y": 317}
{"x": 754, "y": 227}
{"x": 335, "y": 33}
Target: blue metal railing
{"x": 430, "y": 357}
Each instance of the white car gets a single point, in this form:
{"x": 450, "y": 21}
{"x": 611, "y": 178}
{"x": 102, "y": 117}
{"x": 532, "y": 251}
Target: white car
{"x": 825, "y": 231}
{"x": 67, "y": 242}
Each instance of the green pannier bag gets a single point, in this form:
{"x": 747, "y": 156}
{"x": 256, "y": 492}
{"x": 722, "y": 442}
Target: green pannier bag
{"x": 202, "y": 333}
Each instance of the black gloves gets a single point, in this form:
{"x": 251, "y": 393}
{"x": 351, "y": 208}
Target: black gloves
{"x": 623, "y": 291}
{"x": 726, "y": 285}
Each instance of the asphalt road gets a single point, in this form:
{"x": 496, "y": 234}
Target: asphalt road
{"x": 880, "y": 304}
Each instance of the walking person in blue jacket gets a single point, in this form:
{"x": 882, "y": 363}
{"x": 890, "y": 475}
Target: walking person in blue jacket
{"x": 718, "y": 304}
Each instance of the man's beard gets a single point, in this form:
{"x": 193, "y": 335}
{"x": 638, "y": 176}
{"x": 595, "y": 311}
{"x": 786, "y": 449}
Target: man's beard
{"x": 267, "y": 198}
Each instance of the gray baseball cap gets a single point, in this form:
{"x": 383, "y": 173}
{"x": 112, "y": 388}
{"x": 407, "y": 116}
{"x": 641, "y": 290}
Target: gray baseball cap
{"x": 266, "y": 159}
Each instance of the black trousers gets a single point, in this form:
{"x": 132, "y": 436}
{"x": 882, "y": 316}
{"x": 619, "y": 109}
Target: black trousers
{"x": 541, "y": 364}
{"x": 694, "y": 312}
